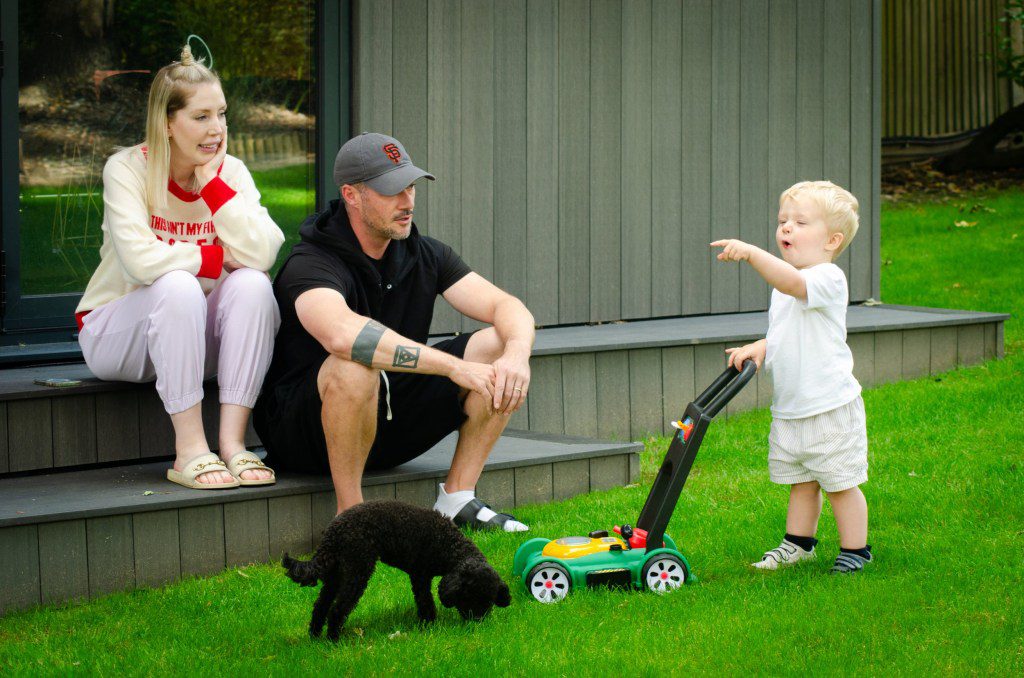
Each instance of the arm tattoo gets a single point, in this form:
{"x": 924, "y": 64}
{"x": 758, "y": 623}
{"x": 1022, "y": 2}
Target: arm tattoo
{"x": 407, "y": 357}
{"x": 366, "y": 342}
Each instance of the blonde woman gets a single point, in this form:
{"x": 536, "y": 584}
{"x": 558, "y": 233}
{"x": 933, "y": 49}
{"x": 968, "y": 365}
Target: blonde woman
{"x": 181, "y": 292}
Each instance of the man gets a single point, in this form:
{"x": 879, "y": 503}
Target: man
{"x": 352, "y": 384}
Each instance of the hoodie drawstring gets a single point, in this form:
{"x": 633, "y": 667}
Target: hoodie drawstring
{"x": 387, "y": 392}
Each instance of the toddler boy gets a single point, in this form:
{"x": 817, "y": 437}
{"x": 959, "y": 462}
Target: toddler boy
{"x": 818, "y": 438}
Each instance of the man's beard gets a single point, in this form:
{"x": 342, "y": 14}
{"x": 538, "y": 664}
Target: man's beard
{"x": 384, "y": 227}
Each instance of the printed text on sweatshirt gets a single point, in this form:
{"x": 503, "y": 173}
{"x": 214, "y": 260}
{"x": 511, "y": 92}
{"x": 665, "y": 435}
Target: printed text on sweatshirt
{"x": 190, "y": 234}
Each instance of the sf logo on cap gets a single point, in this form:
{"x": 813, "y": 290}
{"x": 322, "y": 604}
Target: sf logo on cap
{"x": 392, "y": 152}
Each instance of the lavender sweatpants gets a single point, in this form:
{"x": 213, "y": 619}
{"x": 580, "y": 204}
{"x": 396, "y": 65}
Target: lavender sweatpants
{"x": 172, "y": 332}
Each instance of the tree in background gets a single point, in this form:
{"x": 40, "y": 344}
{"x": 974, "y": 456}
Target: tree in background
{"x": 258, "y": 48}
{"x": 994, "y": 147}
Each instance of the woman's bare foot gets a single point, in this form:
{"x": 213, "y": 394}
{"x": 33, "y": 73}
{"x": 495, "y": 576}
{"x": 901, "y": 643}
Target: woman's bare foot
{"x": 215, "y": 477}
{"x": 230, "y": 449}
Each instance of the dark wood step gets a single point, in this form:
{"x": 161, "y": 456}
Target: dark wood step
{"x": 619, "y": 381}
{"x": 730, "y": 327}
{"x": 83, "y": 534}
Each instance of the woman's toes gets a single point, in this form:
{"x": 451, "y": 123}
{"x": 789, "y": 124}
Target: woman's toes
{"x": 255, "y": 474}
{"x": 214, "y": 477}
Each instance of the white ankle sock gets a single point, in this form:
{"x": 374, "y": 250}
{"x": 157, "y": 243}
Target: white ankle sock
{"x": 450, "y": 504}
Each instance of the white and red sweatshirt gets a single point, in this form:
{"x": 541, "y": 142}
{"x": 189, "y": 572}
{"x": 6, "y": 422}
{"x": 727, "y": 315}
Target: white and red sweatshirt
{"x": 189, "y": 234}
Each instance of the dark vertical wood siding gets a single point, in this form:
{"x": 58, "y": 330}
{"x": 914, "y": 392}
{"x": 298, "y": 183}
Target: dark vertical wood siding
{"x": 939, "y": 78}
{"x": 666, "y": 158}
{"x": 607, "y": 223}
{"x": 587, "y": 151}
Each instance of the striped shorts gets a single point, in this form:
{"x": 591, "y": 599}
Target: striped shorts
{"x": 830, "y": 448}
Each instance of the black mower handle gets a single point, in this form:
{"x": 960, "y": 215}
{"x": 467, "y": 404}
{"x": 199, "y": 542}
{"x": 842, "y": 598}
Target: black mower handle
{"x": 661, "y": 501}
{"x": 725, "y": 387}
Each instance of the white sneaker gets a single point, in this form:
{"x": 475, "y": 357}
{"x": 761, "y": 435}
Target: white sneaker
{"x": 786, "y": 553}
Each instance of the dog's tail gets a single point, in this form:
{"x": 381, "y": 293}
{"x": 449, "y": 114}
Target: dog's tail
{"x": 302, "y": 572}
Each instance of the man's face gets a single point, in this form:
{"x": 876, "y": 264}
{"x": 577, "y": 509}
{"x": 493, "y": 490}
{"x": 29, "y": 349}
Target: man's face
{"x": 387, "y": 216}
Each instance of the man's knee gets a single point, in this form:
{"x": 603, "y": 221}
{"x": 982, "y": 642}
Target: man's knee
{"x": 344, "y": 380}
{"x": 479, "y": 409}
{"x": 485, "y": 346}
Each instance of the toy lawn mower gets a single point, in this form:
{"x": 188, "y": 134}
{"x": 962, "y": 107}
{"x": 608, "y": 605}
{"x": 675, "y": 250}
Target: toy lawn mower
{"x": 643, "y": 557}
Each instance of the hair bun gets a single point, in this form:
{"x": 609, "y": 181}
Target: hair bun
{"x": 186, "y": 56}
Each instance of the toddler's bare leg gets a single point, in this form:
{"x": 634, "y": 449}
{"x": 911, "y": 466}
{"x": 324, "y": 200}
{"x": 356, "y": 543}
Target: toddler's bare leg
{"x": 851, "y": 511}
{"x": 804, "y": 509}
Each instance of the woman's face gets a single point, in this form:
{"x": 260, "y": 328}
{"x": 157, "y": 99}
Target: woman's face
{"x": 198, "y": 130}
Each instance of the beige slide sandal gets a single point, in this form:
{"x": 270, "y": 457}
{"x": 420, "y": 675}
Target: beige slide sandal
{"x": 247, "y": 461}
{"x": 204, "y": 463}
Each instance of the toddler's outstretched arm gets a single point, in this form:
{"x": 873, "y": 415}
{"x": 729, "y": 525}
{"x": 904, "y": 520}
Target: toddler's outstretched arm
{"x": 781, "y": 275}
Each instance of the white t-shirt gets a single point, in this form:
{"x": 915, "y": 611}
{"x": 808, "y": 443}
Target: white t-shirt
{"x": 807, "y": 357}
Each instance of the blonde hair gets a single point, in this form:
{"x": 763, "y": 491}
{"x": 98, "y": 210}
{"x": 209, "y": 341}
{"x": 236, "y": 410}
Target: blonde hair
{"x": 170, "y": 91}
{"x": 839, "y": 208}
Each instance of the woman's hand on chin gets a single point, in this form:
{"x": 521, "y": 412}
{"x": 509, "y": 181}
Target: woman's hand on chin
{"x": 206, "y": 172}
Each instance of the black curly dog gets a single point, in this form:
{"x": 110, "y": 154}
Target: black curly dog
{"x": 419, "y": 541}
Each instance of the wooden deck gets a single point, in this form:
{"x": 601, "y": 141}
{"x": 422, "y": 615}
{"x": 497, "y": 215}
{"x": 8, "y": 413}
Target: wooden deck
{"x": 84, "y": 508}
{"x": 616, "y": 381}
{"x": 85, "y": 533}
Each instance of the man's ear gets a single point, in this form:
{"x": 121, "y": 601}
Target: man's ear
{"x": 447, "y": 587}
{"x": 350, "y": 195}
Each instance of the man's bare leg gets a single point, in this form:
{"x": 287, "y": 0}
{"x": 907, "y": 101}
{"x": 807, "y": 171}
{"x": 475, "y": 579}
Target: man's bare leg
{"x": 477, "y": 436}
{"x": 483, "y": 427}
{"x": 348, "y": 392}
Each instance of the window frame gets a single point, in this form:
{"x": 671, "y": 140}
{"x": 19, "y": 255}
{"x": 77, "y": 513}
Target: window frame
{"x": 50, "y": 317}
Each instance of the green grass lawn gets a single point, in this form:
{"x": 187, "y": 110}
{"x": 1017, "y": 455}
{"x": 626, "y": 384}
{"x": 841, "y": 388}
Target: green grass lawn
{"x": 928, "y": 260}
{"x": 946, "y": 497}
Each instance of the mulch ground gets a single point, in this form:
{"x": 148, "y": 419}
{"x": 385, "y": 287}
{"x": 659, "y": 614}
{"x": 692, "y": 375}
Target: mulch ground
{"x": 921, "y": 181}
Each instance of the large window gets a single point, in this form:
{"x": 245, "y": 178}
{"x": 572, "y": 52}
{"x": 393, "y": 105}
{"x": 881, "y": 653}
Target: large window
{"x": 76, "y": 78}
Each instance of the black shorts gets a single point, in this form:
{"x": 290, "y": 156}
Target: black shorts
{"x": 424, "y": 407}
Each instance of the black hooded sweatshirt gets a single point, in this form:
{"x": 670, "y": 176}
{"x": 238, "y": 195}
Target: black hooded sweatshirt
{"x": 398, "y": 291}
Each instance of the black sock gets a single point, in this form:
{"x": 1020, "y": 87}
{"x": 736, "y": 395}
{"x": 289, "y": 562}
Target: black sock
{"x": 806, "y": 543}
{"x": 864, "y": 553}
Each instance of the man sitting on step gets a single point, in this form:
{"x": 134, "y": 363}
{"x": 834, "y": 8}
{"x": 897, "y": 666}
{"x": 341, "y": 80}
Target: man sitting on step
{"x": 352, "y": 384}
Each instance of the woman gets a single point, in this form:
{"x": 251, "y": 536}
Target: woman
{"x": 181, "y": 292}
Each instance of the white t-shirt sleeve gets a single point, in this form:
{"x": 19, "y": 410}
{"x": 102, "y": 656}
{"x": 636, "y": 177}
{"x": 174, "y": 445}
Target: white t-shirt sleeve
{"x": 826, "y": 286}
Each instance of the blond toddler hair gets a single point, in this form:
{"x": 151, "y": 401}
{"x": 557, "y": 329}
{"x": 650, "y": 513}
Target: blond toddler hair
{"x": 839, "y": 207}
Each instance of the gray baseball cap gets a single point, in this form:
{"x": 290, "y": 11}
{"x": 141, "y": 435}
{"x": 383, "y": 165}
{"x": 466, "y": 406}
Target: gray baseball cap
{"x": 379, "y": 161}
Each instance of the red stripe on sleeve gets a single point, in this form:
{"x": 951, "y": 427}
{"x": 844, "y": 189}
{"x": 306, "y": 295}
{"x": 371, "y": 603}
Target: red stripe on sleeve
{"x": 213, "y": 261}
{"x": 216, "y": 193}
